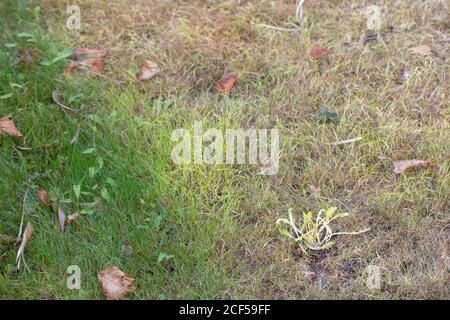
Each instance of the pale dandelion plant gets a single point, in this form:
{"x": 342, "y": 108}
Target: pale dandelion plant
{"x": 314, "y": 233}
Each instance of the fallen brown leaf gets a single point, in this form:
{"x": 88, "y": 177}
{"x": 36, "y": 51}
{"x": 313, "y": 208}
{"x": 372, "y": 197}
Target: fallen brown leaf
{"x": 26, "y": 236}
{"x": 422, "y": 50}
{"x": 7, "y": 126}
{"x": 61, "y": 218}
{"x": 115, "y": 283}
{"x": 403, "y": 165}
{"x": 43, "y": 196}
{"x": 148, "y": 70}
{"x": 317, "y": 51}
{"x": 73, "y": 216}
{"x": 87, "y": 53}
{"x": 225, "y": 84}
{"x": 94, "y": 65}
{"x": 86, "y": 59}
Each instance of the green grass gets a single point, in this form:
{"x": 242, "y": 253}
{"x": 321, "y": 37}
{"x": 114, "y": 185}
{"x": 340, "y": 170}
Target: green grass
{"x": 218, "y": 221}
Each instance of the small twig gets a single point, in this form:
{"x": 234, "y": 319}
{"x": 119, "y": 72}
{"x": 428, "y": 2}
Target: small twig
{"x": 24, "y": 148}
{"x": 299, "y": 11}
{"x": 23, "y": 211}
{"x": 57, "y": 100}
{"x": 345, "y": 141}
{"x": 20, "y": 252}
{"x": 277, "y": 28}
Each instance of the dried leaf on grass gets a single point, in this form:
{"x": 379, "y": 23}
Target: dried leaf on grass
{"x": 403, "y": 165}
{"x": 94, "y": 65}
{"x": 422, "y": 50}
{"x": 61, "y": 218}
{"x": 148, "y": 70}
{"x": 86, "y": 53}
{"x": 7, "y": 126}
{"x": 115, "y": 283}
{"x": 43, "y": 196}
{"x": 86, "y": 59}
{"x": 26, "y": 236}
{"x": 317, "y": 51}
{"x": 225, "y": 84}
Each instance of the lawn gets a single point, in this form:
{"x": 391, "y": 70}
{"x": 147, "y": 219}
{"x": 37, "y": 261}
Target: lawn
{"x": 200, "y": 231}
